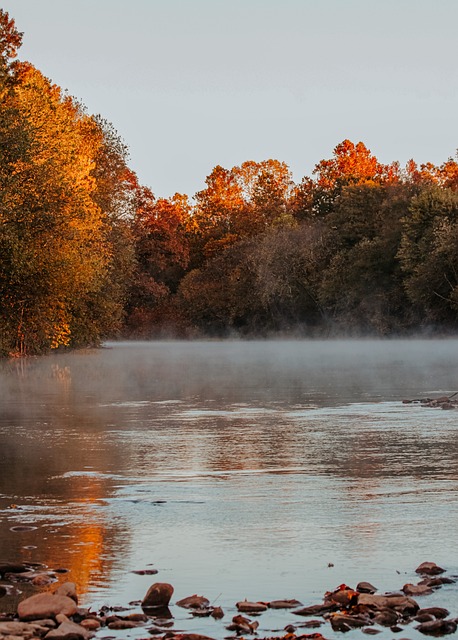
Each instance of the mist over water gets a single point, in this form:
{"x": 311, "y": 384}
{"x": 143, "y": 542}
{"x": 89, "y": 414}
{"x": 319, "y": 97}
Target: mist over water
{"x": 237, "y": 469}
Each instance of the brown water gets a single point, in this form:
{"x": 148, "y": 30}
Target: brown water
{"x": 237, "y": 469}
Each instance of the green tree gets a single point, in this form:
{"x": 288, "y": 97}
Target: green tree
{"x": 428, "y": 254}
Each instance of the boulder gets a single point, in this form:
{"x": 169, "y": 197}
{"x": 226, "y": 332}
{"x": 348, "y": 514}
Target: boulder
{"x": 45, "y": 605}
{"x": 158, "y": 595}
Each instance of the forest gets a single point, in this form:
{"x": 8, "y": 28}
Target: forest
{"x": 88, "y": 253}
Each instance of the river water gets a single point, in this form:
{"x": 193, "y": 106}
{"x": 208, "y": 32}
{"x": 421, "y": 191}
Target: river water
{"x": 258, "y": 470}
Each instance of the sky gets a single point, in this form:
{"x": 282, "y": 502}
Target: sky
{"x": 191, "y": 84}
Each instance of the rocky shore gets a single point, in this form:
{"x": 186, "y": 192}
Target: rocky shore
{"x": 56, "y": 615}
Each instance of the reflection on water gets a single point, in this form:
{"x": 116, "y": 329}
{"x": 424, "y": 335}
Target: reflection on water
{"x": 240, "y": 469}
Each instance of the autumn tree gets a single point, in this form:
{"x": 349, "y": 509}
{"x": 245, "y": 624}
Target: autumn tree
{"x": 54, "y": 236}
{"x": 161, "y": 246}
{"x": 240, "y": 202}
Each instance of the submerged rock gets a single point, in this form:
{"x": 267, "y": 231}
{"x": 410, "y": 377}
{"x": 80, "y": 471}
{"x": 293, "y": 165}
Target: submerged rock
{"x": 145, "y": 572}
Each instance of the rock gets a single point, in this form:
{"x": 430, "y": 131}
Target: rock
{"x": 429, "y": 569}
{"x": 242, "y": 625}
{"x": 45, "y": 605}
{"x": 437, "y": 627}
{"x": 91, "y": 624}
{"x": 146, "y": 572}
{"x": 343, "y": 598}
{"x": 251, "y": 607}
{"x": 124, "y": 624}
{"x": 201, "y": 613}
{"x": 284, "y": 604}
{"x": 437, "y": 612}
{"x": 315, "y": 610}
{"x": 194, "y": 602}
{"x": 21, "y": 629}
{"x": 10, "y": 567}
{"x": 136, "y": 617}
{"x": 311, "y": 624}
{"x": 68, "y": 630}
{"x": 3, "y": 591}
{"x": 371, "y": 631}
{"x": 436, "y": 582}
{"x": 67, "y": 589}
{"x": 402, "y": 603}
{"x": 417, "y": 589}
{"x": 386, "y": 617}
{"x": 194, "y": 636}
{"x": 352, "y": 621}
{"x": 39, "y": 578}
{"x": 424, "y": 617}
{"x": 339, "y": 624}
{"x": 365, "y": 587}
{"x": 158, "y": 595}
{"x": 217, "y": 613}
{"x": 42, "y": 580}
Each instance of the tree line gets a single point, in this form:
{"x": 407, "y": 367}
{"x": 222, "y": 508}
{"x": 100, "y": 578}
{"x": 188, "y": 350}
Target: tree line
{"x": 87, "y": 252}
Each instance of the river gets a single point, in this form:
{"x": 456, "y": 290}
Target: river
{"x": 257, "y": 469}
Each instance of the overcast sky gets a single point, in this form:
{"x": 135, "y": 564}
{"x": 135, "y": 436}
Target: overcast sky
{"x": 190, "y": 84}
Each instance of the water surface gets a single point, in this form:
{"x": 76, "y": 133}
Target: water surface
{"x": 237, "y": 469}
